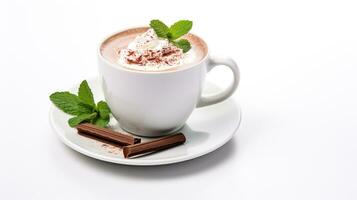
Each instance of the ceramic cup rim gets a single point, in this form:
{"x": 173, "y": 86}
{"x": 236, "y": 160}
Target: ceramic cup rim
{"x": 118, "y": 67}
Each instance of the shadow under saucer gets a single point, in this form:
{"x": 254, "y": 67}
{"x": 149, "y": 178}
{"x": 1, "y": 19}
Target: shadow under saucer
{"x": 170, "y": 171}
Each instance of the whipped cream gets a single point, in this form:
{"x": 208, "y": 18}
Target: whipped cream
{"x": 148, "y": 52}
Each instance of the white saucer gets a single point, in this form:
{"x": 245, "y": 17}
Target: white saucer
{"x": 206, "y": 130}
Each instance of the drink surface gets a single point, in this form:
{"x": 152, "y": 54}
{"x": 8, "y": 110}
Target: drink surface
{"x": 139, "y": 49}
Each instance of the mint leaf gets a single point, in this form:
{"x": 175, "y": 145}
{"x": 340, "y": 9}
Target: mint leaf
{"x": 102, "y": 122}
{"x": 183, "y": 44}
{"x": 173, "y": 33}
{"x": 160, "y": 28}
{"x": 169, "y": 36}
{"x": 85, "y": 94}
{"x": 69, "y": 103}
{"x": 179, "y": 29}
{"x": 74, "y": 121}
{"x": 82, "y": 106}
{"x": 103, "y": 109}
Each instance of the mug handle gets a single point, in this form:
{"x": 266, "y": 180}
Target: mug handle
{"x": 213, "y": 62}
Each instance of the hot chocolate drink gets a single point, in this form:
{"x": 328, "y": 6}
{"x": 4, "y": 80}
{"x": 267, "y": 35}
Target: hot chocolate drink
{"x": 140, "y": 49}
{"x": 153, "y": 82}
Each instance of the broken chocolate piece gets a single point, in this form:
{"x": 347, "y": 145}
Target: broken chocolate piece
{"x": 107, "y": 134}
{"x": 155, "y": 145}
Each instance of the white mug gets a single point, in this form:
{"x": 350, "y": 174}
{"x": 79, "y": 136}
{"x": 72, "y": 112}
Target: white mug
{"x": 153, "y": 104}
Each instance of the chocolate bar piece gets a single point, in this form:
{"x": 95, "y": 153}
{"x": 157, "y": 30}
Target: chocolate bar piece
{"x": 107, "y": 134}
{"x": 155, "y": 145}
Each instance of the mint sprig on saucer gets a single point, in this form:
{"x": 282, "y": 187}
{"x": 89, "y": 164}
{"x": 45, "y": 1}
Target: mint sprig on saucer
{"x": 174, "y": 32}
{"x": 82, "y": 106}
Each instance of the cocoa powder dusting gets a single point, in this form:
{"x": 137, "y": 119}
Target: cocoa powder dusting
{"x": 168, "y": 55}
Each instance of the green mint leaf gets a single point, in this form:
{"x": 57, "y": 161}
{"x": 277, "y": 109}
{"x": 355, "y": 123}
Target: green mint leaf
{"x": 85, "y": 94}
{"x": 103, "y": 109}
{"x": 179, "y": 29}
{"x": 74, "y": 121}
{"x": 183, "y": 44}
{"x": 169, "y": 36}
{"x": 102, "y": 122}
{"x": 69, "y": 103}
{"x": 160, "y": 28}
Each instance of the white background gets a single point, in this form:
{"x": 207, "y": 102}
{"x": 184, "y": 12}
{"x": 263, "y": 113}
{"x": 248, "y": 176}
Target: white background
{"x": 297, "y": 140}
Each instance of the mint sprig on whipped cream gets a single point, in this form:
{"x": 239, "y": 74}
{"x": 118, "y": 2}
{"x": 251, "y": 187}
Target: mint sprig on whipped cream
{"x": 174, "y": 32}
